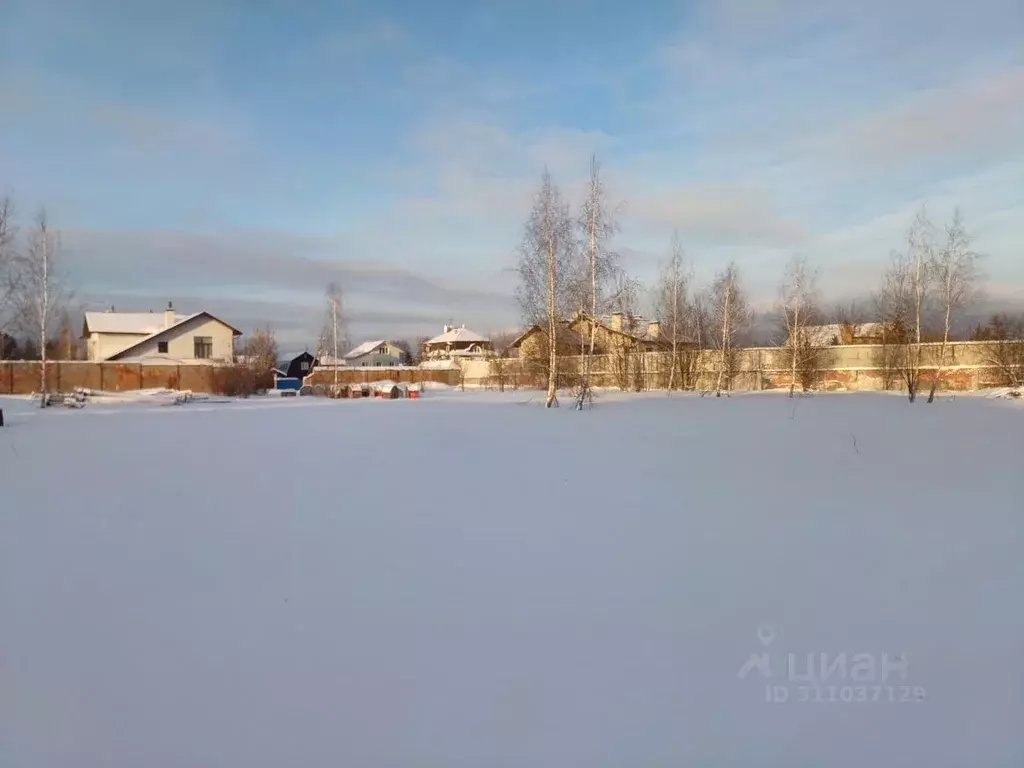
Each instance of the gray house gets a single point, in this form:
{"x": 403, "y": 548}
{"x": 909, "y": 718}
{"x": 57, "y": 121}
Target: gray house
{"x": 376, "y": 354}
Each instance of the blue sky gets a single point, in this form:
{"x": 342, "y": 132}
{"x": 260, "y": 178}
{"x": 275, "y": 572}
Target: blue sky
{"x": 238, "y": 156}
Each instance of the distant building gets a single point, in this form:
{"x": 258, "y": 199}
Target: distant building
{"x": 380, "y": 353}
{"x": 533, "y": 342}
{"x": 300, "y": 366}
{"x": 122, "y": 336}
{"x": 844, "y": 333}
{"x": 457, "y": 343}
{"x": 617, "y": 332}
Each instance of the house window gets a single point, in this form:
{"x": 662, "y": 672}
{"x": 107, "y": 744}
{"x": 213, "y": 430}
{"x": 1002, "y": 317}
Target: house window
{"x": 161, "y": 347}
{"x": 203, "y": 348}
{"x": 304, "y": 365}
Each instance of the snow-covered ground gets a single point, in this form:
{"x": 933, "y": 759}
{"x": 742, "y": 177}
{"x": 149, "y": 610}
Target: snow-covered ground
{"x": 471, "y": 580}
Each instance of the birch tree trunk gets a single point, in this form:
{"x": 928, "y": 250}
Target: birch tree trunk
{"x": 552, "y": 395}
{"x": 39, "y": 290}
{"x": 598, "y": 226}
{"x": 922, "y": 245}
{"x": 546, "y": 252}
{"x": 726, "y": 336}
{"x": 955, "y": 269}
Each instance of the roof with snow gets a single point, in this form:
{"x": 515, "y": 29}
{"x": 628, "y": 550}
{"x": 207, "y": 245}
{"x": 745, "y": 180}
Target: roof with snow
{"x": 457, "y": 335}
{"x": 365, "y": 348}
{"x": 133, "y": 323}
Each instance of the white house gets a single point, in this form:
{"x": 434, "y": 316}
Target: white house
{"x": 167, "y": 335}
{"x": 377, "y": 353}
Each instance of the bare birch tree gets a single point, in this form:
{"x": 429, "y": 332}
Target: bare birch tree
{"x": 921, "y": 241}
{"x": 954, "y": 272}
{"x": 1005, "y": 351}
{"x": 894, "y": 306}
{"x": 545, "y": 258}
{"x": 730, "y": 315}
{"x": 41, "y": 288}
{"x": 260, "y": 350}
{"x": 699, "y": 322}
{"x": 598, "y": 225}
{"x": 902, "y": 303}
{"x": 625, "y": 354}
{"x": 675, "y": 311}
{"x": 798, "y": 308}
{"x": 332, "y": 337}
{"x": 8, "y": 270}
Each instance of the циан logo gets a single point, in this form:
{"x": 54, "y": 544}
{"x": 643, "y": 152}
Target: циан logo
{"x": 845, "y": 678}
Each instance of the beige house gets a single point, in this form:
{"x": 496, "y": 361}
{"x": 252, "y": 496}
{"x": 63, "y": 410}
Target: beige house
{"x": 617, "y": 333}
{"x": 533, "y": 342}
{"x": 119, "y": 336}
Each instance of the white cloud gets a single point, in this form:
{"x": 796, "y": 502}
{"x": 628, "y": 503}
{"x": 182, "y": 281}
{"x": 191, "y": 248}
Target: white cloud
{"x": 281, "y": 277}
{"x": 719, "y": 213}
{"x": 984, "y": 116}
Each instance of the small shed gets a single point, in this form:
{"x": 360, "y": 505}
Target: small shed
{"x": 388, "y": 391}
{"x": 355, "y": 390}
{"x": 415, "y": 390}
{"x": 301, "y": 366}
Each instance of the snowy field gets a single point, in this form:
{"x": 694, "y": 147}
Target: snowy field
{"x": 469, "y": 580}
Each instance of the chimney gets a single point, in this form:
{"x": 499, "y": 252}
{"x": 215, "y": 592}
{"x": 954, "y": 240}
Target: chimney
{"x": 616, "y": 321}
{"x": 169, "y": 315}
{"x": 446, "y": 329}
{"x": 654, "y": 329}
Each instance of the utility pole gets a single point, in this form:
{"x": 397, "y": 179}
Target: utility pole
{"x": 334, "y": 316}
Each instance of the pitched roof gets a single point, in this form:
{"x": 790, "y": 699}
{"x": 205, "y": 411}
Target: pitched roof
{"x": 634, "y": 327}
{"x": 365, "y": 348}
{"x": 167, "y": 330}
{"x": 565, "y": 336}
{"x": 829, "y": 335}
{"x": 453, "y": 335}
{"x": 135, "y": 323}
{"x": 824, "y": 335}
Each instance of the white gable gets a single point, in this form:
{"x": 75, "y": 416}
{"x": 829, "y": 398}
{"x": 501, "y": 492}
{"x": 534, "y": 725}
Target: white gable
{"x": 365, "y": 348}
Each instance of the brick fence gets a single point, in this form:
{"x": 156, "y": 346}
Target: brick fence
{"x": 23, "y": 377}
{"x": 968, "y": 365}
{"x": 20, "y": 377}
